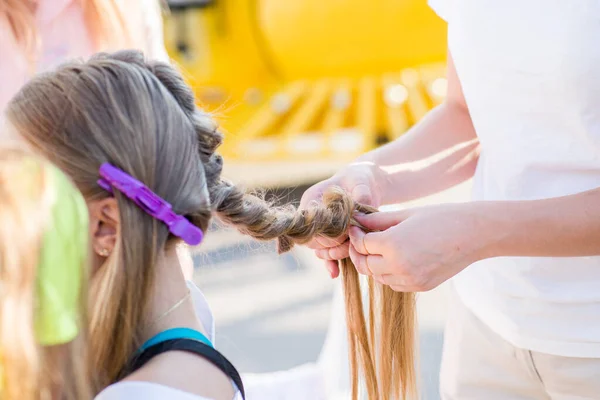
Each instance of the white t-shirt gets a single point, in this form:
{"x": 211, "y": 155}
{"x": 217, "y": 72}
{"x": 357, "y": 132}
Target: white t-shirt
{"x": 530, "y": 72}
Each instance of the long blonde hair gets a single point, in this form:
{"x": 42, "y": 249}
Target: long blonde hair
{"x": 141, "y": 117}
{"x": 103, "y": 18}
{"x": 29, "y": 371}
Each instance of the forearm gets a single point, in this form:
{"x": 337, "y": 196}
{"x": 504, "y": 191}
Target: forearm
{"x": 566, "y": 226}
{"x": 437, "y": 153}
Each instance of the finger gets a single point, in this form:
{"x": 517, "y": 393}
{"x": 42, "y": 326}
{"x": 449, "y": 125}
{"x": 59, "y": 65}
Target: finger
{"x": 334, "y": 253}
{"x": 333, "y": 268}
{"x": 381, "y": 221}
{"x": 322, "y": 242}
{"x": 361, "y": 193}
{"x": 313, "y": 194}
{"x": 359, "y": 261}
{"x": 376, "y": 265}
{"x": 368, "y": 243}
{"x": 357, "y": 238}
{"x": 331, "y": 242}
{"x": 363, "y": 263}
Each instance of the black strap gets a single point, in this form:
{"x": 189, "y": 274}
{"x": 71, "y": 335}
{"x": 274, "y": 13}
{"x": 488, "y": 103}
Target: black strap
{"x": 191, "y": 346}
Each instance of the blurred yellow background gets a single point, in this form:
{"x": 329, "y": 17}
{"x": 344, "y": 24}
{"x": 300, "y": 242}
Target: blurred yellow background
{"x": 308, "y": 82}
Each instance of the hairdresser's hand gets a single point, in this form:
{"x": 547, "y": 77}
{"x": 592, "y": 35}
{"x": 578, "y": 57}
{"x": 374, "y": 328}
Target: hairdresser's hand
{"x": 365, "y": 182}
{"x": 415, "y": 250}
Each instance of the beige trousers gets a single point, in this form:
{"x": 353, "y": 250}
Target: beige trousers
{"x": 477, "y": 364}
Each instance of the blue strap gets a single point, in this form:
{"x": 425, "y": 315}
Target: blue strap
{"x": 176, "y": 333}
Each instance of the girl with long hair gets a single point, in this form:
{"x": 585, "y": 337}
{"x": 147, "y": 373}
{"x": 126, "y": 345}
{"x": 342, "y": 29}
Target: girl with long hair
{"x": 43, "y": 277}
{"x": 128, "y": 132}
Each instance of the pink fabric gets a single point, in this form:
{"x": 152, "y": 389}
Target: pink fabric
{"x": 63, "y": 34}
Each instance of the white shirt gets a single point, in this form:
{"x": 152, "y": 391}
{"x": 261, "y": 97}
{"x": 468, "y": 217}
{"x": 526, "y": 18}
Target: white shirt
{"x": 530, "y": 73}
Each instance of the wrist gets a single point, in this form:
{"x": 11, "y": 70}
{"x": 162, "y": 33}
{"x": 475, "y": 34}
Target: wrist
{"x": 382, "y": 184}
{"x": 501, "y": 224}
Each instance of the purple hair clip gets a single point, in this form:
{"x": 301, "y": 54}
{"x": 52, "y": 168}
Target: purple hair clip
{"x": 150, "y": 202}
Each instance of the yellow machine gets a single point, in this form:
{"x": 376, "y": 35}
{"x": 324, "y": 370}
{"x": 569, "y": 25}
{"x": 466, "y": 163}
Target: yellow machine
{"x": 311, "y": 82}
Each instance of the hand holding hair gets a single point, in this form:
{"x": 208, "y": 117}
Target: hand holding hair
{"x": 416, "y": 250}
{"x": 362, "y": 181}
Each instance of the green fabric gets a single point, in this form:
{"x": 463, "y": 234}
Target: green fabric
{"x": 62, "y": 260}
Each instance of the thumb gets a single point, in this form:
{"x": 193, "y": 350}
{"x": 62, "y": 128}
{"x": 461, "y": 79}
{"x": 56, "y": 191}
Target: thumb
{"x": 380, "y": 221}
{"x": 362, "y": 194}
{"x": 314, "y": 193}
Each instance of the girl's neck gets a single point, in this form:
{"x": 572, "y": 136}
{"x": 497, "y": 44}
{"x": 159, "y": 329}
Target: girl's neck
{"x": 170, "y": 289}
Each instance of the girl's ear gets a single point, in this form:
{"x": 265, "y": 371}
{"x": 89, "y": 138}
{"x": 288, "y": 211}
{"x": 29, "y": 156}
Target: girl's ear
{"x": 104, "y": 225}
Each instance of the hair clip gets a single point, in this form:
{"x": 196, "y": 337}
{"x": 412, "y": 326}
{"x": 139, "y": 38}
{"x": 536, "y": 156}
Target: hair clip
{"x": 150, "y": 202}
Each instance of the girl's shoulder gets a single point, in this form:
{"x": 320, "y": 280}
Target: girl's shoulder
{"x": 177, "y": 375}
